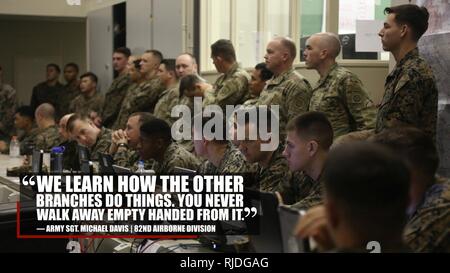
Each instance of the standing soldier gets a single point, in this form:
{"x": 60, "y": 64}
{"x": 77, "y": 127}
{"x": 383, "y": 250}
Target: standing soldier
{"x": 339, "y": 94}
{"x": 71, "y": 89}
{"x": 118, "y": 89}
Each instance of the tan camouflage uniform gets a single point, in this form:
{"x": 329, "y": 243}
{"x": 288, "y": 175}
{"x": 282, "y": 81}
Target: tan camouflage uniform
{"x": 140, "y": 98}
{"x": 410, "y": 97}
{"x": 291, "y": 91}
{"x": 84, "y": 106}
{"x": 428, "y": 229}
{"x": 176, "y": 156}
{"x": 113, "y": 98}
{"x": 342, "y": 98}
{"x": 230, "y": 88}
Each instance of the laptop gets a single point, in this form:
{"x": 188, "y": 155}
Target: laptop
{"x": 83, "y": 153}
{"x": 289, "y": 218}
{"x": 36, "y": 161}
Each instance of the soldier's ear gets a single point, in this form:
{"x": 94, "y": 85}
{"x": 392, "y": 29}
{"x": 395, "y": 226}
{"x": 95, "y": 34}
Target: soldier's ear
{"x": 404, "y": 29}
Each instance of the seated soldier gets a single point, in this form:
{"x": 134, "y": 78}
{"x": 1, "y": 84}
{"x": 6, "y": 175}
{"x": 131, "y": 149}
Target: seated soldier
{"x": 169, "y": 97}
{"x": 124, "y": 142}
{"x": 83, "y": 130}
{"x": 70, "y": 155}
{"x": 427, "y": 229}
{"x": 156, "y": 143}
{"x": 259, "y": 77}
{"x": 309, "y": 137}
{"x": 366, "y": 196}
{"x": 271, "y": 164}
{"x": 26, "y": 128}
{"x": 222, "y": 156}
{"x": 48, "y": 135}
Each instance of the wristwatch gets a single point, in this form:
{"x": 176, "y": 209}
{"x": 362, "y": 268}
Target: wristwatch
{"x": 122, "y": 145}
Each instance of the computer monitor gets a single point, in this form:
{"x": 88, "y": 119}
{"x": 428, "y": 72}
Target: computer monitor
{"x": 83, "y": 153}
{"x": 106, "y": 162}
{"x": 289, "y": 218}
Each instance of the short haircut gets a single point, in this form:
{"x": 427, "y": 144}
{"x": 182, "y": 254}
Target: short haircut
{"x": 143, "y": 117}
{"x": 170, "y": 65}
{"x": 74, "y": 65}
{"x": 416, "y": 147}
{"x": 412, "y": 15}
{"x": 156, "y": 128}
{"x": 123, "y": 50}
{"x": 26, "y": 111}
{"x": 159, "y": 56}
{"x": 313, "y": 126}
{"x": 75, "y": 117}
{"x": 370, "y": 185}
{"x": 188, "y": 82}
{"x": 194, "y": 60}
{"x": 224, "y": 48}
{"x": 266, "y": 74}
{"x": 91, "y": 75}
{"x": 46, "y": 111}
{"x": 289, "y": 45}
{"x": 55, "y": 66}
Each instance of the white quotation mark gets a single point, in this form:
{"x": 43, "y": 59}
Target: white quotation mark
{"x": 30, "y": 181}
{"x": 373, "y": 247}
{"x": 248, "y": 211}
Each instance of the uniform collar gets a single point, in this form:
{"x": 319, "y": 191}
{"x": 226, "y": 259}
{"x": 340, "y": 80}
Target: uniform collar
{"x": 331, "y": 70}
{"x": 410, "y": 55}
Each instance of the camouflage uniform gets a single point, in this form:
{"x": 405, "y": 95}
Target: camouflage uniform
{"x": 47, "y": 138}
{"x": 128, "y": 158}
{"x": 140, "y": 98}
{"x": 301, "y": 191}
{"x": 175, "y": 156}
{"x": 233, "y": 162}
{"x": 271, "y": 177}
{"x": 428, "y": 229}
{"x": 113, "y": 98}
{"x": 410, "y": 97}
{"x": 341, "y": 97}
{"x": 84, "y": 106}
{"x": 230, "y": 88}
{"x": 167, "y": 100}
{"x": 27, "y": 141}
{"x": 42, "y": 93}
{"x": 102, "y": 144}
{"x": 291, "y": 91}
{"x": 70, "y": 92}
{"x": 8, "y": 104}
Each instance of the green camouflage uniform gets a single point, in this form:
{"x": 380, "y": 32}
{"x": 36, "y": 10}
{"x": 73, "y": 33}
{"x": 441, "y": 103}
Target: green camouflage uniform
{"x": 84, "y": 106}
{"x": 47, "y": 138}
{"x": 140, "y": 98}
{"x": 129, "y": 158}
{"x": 270, "y": 178}
{"x": 342, "y": 98}
{"x": 230, "y": 88}
{"x": 428, "y": 229}
{"x": 167, "y": 100}
{"x": 410, "y": 97}
{"x": 8, "y": 105}
{"x": 175, "y": 156}
{"x": 69, "y": 93}
{"x": 233, "y": 162}
{"x": 291, "y": 91}
{"x": 102, "y": 144}
{"x": 114, "y": 98}
{"x": 27, "y": 141}
{"x": 301, "y": 191}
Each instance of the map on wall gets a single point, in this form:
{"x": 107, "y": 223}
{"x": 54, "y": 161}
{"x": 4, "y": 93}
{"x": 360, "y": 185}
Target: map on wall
{"x": 434, "y": 46}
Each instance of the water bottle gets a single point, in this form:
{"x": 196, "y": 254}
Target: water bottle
{"x": 141, "y": 167}
{"x": 56, "y": 159}
{"x": 14, "y": 147}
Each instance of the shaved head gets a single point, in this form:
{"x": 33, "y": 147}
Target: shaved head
{"x": 328, "y": 41}
{"x": 45, "y": 111}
